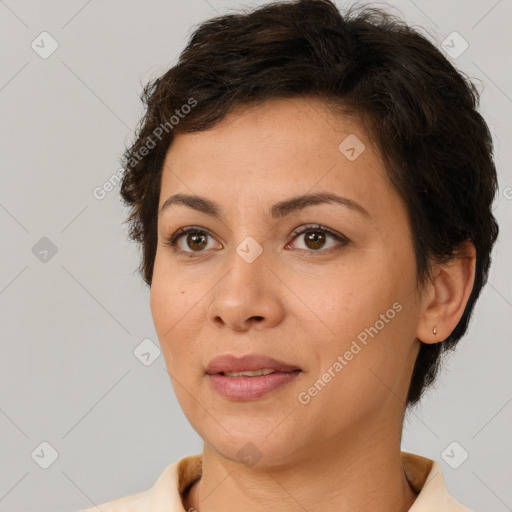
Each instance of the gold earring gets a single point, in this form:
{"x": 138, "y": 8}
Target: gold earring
{"x": 434, "y": 330}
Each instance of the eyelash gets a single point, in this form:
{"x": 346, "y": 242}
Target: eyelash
{"x": 172, "y": 240}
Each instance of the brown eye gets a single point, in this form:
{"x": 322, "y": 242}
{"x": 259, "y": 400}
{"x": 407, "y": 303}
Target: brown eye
{"x": 190, "y": 240}
{"x": 197, "y": 240}
{"x": 314, "y": 239}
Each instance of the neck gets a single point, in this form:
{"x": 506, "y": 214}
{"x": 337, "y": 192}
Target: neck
{"x": 358, "y": 475}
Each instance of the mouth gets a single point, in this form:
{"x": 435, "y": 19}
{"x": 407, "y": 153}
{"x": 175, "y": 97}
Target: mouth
{"x": 249, "y": 377}
{"x": 250, "y": 373}
{"x": 250, "y": 365}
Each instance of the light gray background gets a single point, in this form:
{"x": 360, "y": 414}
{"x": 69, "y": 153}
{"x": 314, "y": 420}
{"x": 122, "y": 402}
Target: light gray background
{"x": 68, "y": 374}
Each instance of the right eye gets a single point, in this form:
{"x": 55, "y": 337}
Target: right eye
{"x": 191, "y": 239}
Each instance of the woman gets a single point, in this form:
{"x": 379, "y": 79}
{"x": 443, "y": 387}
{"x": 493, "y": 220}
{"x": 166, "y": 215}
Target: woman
{"x": 313, "y": 197}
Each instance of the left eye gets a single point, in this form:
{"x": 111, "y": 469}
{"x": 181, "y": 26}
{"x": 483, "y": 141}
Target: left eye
{"x": 315, "y": 237}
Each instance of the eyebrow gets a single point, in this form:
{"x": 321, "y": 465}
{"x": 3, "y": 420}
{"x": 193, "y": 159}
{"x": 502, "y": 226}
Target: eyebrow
{"x": 277, "y": 210}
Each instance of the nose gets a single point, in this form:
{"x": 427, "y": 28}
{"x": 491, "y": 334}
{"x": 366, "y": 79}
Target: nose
{"x": 248, "y": 296}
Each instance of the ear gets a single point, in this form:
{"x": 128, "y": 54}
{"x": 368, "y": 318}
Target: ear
{"x": 446, "y": 295}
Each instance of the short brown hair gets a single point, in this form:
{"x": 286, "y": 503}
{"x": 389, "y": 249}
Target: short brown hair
{"x": 419, "y": 109}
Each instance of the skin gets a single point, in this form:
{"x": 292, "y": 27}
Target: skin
{"x": 299, "y": 304}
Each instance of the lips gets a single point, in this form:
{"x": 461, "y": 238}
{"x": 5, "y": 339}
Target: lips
{"x": 249, "y": 377}
{"x": 249, "y": 363}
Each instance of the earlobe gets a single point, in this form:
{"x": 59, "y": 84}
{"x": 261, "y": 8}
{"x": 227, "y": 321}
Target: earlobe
{"x": 449, "y": 292}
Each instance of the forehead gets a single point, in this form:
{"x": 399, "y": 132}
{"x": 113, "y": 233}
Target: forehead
{"x": 256, "y": 157}
{"x": 298, "y": 138}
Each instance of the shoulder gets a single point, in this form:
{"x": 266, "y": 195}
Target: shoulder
{"x": 163, "y": 496}
{"x": 132, "y": 503}
{"x": 426, "y": 478}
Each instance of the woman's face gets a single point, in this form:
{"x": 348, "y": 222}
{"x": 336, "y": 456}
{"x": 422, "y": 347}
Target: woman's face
{"x": 259, "y": 279}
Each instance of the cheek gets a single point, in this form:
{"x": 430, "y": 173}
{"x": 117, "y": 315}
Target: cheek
{"x": 354, "y": 297}
{"x": 370, "y": 311}
{"x": 169, "y": 295}
{"x": 168, "y": 302}
{"x": 179, "y": 314}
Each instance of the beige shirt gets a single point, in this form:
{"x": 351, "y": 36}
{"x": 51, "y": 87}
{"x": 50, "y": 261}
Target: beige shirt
{"x": 424, "y": 475}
